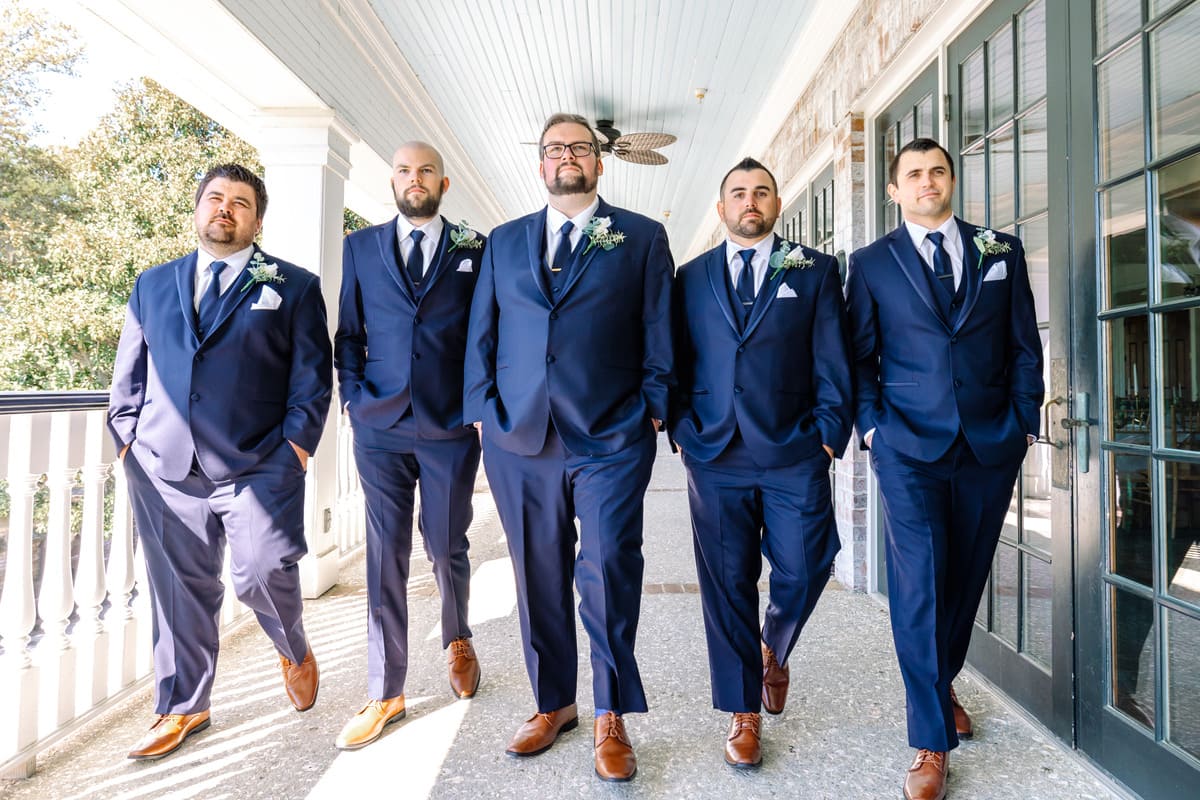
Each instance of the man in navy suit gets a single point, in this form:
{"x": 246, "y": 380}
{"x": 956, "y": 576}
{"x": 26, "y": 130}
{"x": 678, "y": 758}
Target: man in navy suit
{"x": 220, "y": 389}
{"x": 568, "y": 367}
{"x": 401, "y": 335}
{"x": 949, "y": 385}
{"x": 762, "y": 405}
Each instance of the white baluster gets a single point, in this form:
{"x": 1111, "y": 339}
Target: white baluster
{"x": 91, "y": 640}
{"x": 121, "y": 621}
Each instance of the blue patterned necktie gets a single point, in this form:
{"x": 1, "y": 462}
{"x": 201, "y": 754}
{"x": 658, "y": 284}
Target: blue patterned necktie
{"x": 562, "y": 253}
{"x": 745, "y": 283}
{"x": 416, "y": 258}
{"x": 941, "y": 262}
{"x": 206, "y": 314}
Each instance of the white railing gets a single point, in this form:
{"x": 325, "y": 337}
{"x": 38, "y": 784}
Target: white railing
{"x": 75, "y": 624}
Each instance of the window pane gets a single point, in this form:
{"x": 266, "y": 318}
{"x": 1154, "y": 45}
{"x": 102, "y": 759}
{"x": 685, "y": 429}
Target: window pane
{"x": 1183, "y": 654}
{"x": 1000, "y": 76}
{"x": 1123, "y": 243}
{"x": 1179, "y": 228}
{"x": 1033, "y": 162}
{"x": 1035, "y": 235}
{"x": 907, "y": 133}
{"x": 1001, "y": 180}
{"x": 1039, "y": 607}
{"x": 1133, "y": 656}
{"x": 1182, "y": 546}
{"x": 1116, "y": 19}
{"x": 973, "y": 188}
{"x": 1176, "y": 88}
{"x": 1181, "y": 377}
{"x": 973, "y": 125}
{"x": 1159, "y": 6}
{"x": 1129, "y": 380}
{"x": 1119, "y": 90}
{"x": 1031, "y": 30}
{"x": 925, "y": 117}
{"x": 1130, "y": 552}
{"x": 1004, "y": 579}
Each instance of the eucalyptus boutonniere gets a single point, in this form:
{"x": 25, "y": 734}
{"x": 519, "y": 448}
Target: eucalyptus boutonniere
{"x": 601, "y": 234}
{"x": 988, "y": 245}
{"x": 261, "y": 272}
{"x": 780, "y": 260}
{"x": 463, "y": 238}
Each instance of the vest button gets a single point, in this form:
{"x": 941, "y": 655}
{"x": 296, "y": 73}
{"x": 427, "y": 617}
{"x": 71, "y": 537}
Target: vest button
{"x": 416, "y": 356}
{"x": 553, "y": 315}
{"x": 194, "y": 396}
{"x": 737, "y": 390}
{"x": 957, "y": 383}
{"x": 549, "y": 359}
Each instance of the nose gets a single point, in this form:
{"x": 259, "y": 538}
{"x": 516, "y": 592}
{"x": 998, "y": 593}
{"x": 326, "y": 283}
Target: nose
{"x": 567, "y": 155}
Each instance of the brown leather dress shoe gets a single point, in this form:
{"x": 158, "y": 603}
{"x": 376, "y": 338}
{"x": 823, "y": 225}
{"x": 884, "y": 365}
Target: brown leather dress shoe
{"x": 962, "y": 720}
{"x": 775, "y": 682}
{"x": 301, "y": 681}
{"x": 541, "y": 731}
{"x": 367, "y": 725}
{"x": 464, "y": 668}
{"x": 615, "y": 761}
{"x": 743, "y": 746}
{"x": 926, "y": 779}
{"x": 167, "y": 734}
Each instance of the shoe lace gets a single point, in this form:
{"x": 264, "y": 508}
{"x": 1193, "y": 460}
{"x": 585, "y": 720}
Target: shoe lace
{"x": 772, "y": 662}
{"x": 615, "y": 728}
{"x": 175, "y": 718}
{"x": 930, "y": 757}
{"x": 460, "y": 648}
{"x": 746, "y": 720}
{"x": 373, "y": 705}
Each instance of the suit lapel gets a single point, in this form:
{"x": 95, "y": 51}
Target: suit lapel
{"x": 766, "y": 295}
{"x": 185, "y": 281}
{"x": 389, "y": 251}
{"x": 582, "y": 259}
{"x": 901, "y": 246}
{"x": 715, "y": 267}
{"x": 971, "y": 270}
{"x": 234, "y": 295}
{"x": 440, "y": 258}
{"x": 535, "y": 238}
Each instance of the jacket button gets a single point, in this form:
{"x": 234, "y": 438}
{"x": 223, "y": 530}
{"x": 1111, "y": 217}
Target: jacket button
{"x": 737, "y": 390}
{"x": 953, "y": 340}
{"x": 416, "y": 320}
{"x": 199, "y": 356}
{"x": 957, "y": 383}
{"x": 553, "y": 315}
{"x": 549, "y": 359}
{"x": 416, "y": 356}
{"x": 194, "y": 396}
{"x": 741, "y": 348}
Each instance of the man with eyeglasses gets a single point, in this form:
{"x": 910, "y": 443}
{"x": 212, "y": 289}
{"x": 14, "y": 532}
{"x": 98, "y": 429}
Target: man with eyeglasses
{"x": 568, "y": 366}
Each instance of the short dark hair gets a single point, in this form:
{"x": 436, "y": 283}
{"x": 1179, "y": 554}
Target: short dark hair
{"x": 746, "y": 165}
{"x": 561, "y": 117}
{"x": 917, "y": 146}
{"x": 239, "y": 174}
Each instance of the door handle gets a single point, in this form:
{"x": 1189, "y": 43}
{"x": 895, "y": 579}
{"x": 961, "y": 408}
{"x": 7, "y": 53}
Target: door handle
{"x": 1045, "y": 437}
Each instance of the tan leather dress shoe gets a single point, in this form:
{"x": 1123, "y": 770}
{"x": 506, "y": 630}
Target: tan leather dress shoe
{"x": 926, "y": 779}
{"x": 615, "y": 761}
{"x": 301, "y": 681}
{"x": 962, "y": 720}
{"x": 541, "y": 731}
{"x": 743, "y": 746}
{"x": 464, "y": 668}
{"x": 775, "y": 682}
{"x": 167, "y": 734}
{"x": 367, "y": 725}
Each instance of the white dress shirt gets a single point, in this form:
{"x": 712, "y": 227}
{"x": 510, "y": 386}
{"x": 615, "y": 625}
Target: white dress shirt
{"x": 758, "y": 262}
{"x": 234, "y": 264}
{"x": 952, "y": 245}
{"x": 433, "y": 235}
{"x": 555, "y": 220}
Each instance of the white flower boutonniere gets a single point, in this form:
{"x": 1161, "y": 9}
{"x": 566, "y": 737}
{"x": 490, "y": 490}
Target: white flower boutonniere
{"x": 463, "y": 238}
{"x": 780, "y": 260}
{"x": 600, "y": 234}
{"x": 261, "y": 272}
{"x": 985, "y": 241}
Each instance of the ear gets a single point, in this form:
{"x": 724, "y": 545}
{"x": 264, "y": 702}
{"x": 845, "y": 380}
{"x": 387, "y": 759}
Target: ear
{"x": 445, "y": 185}
{"x": 892, "y": 191}
{"x": 778, "y": 206}
{"x": 599, "y": 166}
{"x": 542, "y": 169}
{"x": 721, "y": 209}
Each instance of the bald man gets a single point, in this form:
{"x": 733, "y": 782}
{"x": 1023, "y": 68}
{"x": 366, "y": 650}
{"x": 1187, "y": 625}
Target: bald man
{"x": 401, "y": 336}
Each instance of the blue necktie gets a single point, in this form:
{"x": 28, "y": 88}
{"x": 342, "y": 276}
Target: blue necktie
{"x": 416, "y": 258}
{"x": 941, "y": 262}
{"x": 745, "y": 283}
{"x": 206, "y": 314}
{"x": 562, "y": 253}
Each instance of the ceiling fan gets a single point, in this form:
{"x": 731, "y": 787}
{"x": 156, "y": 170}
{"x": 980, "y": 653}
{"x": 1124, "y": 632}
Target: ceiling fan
{"x": 636, "y": 148}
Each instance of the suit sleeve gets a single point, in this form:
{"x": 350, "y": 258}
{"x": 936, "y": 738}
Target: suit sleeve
{"x": 310, "y": 383}
{"x": 479, "y": 363}
{"x": 1025, "y": 350}
{"x": 128, "y": 389}
{"x": 657, "y": 357}
{"x": 350, "y": 338}
{"x": 832, "y": 379}
{"x": 682, "y": 347}
{"x": 862, "y": 316}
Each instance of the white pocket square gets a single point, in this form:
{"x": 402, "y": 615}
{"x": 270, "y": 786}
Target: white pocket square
{"x": 784, "y": 292}
{"x": 997, "y": 271}
{"x": 268, "y": 300}
{"x": 464, "y": 265}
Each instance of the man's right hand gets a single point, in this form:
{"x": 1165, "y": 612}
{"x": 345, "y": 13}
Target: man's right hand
{"x": 124, "y": 450}
{"x": 867, "y": 439}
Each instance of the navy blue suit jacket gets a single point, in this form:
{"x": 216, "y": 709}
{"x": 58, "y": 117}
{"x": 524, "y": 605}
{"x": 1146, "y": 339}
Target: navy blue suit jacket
{"x": 784, "y": 383}
{"x": 594, "y": 358}
{"x": 395, "y": 351}
{"x": 262, "y": 374}
{"x": 919, "y": 377}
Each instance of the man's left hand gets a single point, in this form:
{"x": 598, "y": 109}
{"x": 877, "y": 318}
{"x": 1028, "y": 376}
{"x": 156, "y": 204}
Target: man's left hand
{"x": 829, "y": 450}
{"x": 301, "y": 454}
{"x": 658, "y": 424}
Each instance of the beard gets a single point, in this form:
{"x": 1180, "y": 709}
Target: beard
{"x": 424, "y": 206}
{"x": 571, "y": 183}
{"x": 214, "y": 234}
{"x": 751, "y": 228}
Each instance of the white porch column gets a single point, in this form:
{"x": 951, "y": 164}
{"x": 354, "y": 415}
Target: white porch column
{"x": 306, "y": 153}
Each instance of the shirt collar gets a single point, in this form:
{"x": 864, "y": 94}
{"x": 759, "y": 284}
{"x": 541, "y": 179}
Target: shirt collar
{"x": 762, "y": 249}
{"x": 236, "y": 260}
{"x": 431, "y": 229}
{"x": 556, "y": 218}
{"x": 949, "y": 229}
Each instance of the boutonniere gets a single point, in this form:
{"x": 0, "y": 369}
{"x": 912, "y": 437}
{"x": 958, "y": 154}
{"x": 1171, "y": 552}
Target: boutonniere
{"x": 463, "y": 238}
{"x": 600, "y": 234}
{"x": 780, "y": 260}
{"x": 986, "y": 241}
{"x": 261, "y": 272}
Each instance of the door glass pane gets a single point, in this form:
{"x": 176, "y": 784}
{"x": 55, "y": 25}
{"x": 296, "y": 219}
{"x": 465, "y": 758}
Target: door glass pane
{"x": 1031, "y": 30}
{"x": 890, "y": 146}
{"x": 1182, "y": 547}
{"x": 1004, "y": 579}
{"x": 1035, "y": 235}
{"x": 1039, "y": 607}
{"x": 1001, "y": 179}
{"x": 973, "y": 188}
{"x": 1116, "y": 19}
{"x": 981, "y": 613}
{"x": 907, "y": 133}
{"x": 1129, "y": 380}
{"x": 973, "y": 124}
{"x": 1183, "y": 656}
{"x": 1181, "y": 376}
{"x": 1179, "y": 227}
{"x": 1176, "y": 87}
{"x": 1000, "y": 76}
{"x": 1119, "y": 90}
{"x": 1133, "y": 656}
{"x": 1033, "y": 162}
{"x": 1130, "y": 552}
{"x": 925, "y": 117}
{"x": 1123, "y": 232}
{"x": 1159, "y": 6}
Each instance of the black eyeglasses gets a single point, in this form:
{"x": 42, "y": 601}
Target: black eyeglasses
{"x": 578, "y": 149}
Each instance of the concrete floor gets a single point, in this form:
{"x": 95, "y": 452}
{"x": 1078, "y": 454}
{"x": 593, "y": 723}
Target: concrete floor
{"x": 842, "y": 735}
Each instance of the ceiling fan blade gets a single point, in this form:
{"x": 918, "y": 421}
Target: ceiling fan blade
{"x": 641, "y": 157}
{"x": 645, "y": 141}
